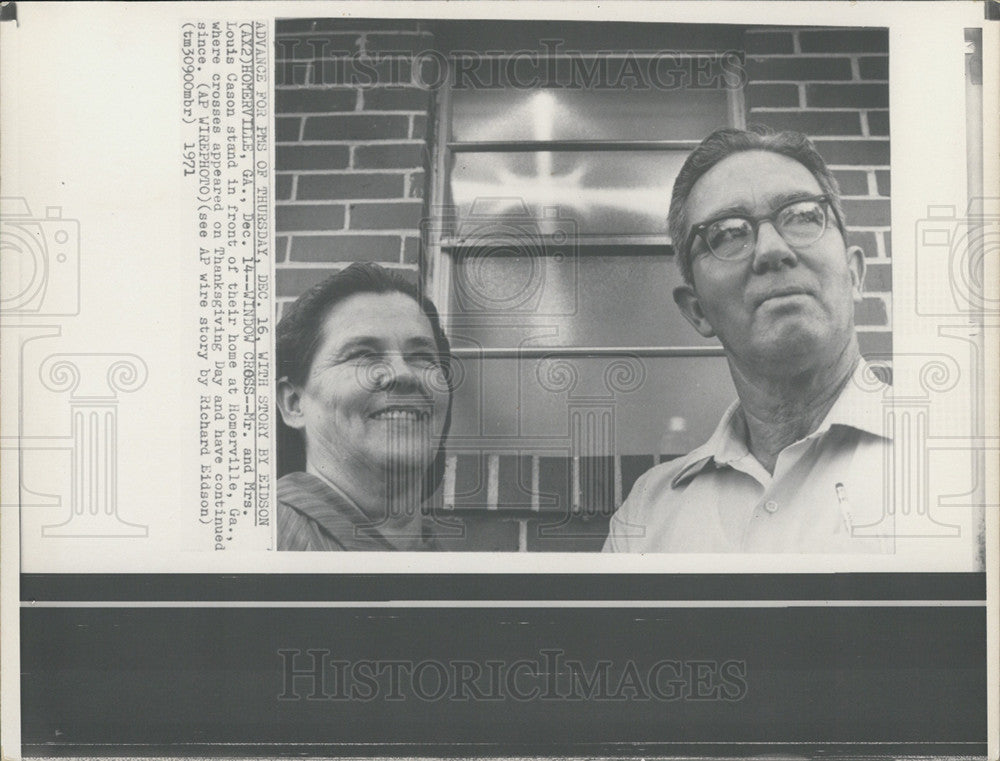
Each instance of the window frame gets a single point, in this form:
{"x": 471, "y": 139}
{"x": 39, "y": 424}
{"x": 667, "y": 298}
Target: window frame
{"x": 440, "y": 249}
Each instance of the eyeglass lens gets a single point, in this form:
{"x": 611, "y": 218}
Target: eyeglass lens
{"x": 799, "y": 224}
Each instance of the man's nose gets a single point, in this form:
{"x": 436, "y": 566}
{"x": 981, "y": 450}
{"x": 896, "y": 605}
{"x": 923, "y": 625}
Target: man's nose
{"x": 771, "y": 250}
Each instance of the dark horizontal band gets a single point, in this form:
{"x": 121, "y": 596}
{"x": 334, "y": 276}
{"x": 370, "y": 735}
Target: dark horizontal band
{"x": 847, "y": 751}
{"x": 286, "y": 587}
{"x": 547, "y": 682}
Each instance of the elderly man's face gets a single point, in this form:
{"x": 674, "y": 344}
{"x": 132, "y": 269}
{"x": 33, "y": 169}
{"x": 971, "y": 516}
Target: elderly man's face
{"x": 780, "y": 303}
{"x": 376, "y": 394}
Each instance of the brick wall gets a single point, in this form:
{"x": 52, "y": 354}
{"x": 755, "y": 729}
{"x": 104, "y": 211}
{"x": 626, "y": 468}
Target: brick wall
{"x": 833, "y": 85}
{"x": 351, "y": 151}
{"x": 352, "y": 167}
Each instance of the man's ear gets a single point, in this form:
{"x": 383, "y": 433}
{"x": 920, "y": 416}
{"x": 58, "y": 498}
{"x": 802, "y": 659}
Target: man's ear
{"x": 856, "y": 266}
{"x": 290, "y": 404}
{"x": 687, "y": 300}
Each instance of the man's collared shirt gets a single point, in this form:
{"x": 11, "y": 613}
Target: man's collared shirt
{"x": 826, "y": 494}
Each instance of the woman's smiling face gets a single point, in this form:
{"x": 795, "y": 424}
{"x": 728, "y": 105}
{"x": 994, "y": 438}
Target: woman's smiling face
{"x": 376, "y": 395}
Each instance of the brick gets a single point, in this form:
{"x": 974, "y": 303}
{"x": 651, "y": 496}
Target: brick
{"x": 471, "y": 472}
{"x": 283, "y": 186}
{"x": 878, "y": 123}
{"x": 852, "y": 183}
{"x": 356, "y": 127}
{"x": 386, "y": 216}
{"x": 887, "y": 241}
{"x": 291, "y": 157}
{"x": 847, "y": 96}
{"x": 471, "y": 532}
{"x": 772, "y": 96}
{"x": 366, "y": 72}
{"x": 813, "y": 122}
{"x": 867, "y": 212}
{"x": 633, "y": 466}
{"x": 287, "y": 73}
{"x": 417, "y": 185}
{"x": 290, "y": 282}
{"x": 845, "y": 41}
{"x": 883, "y": 183}
{"x": 285, "y": 26}
{"x": 878, "y": 278}
{"x": 313, "y": 47}
{"x": 359, "y": 185}
{"x": 848, "y": 152}
{"x": 389, "y": 156}
{"x": 308, "y": 217}
{"x": 883, "y": 371}
{"x": 281, "y": 248}
{"x": 759, "y": 43}
{"x": 345, "y": 248}
{"x": 389, "y": 99}
{"x": 864, "y": 239}
{"x": 429, "y": 73}
{"x": 411, "y": 250}
{"x": 514, "y": 482}
{"x": 314, "y": 100}
{"x": 399, "y": 43}
{"x": 875, "y": 345}
{"x": 554, "y": 485}
{"x": 873, "y": 67}
{"x": 577, "y": 533}
{"x": 871, "y": 311}
{"x": 418, "y": 129}
{"x": 286, "y": 129}
{"x": 798, "y": 68}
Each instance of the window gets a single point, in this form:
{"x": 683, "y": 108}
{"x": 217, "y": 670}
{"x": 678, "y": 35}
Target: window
{"x": 549, "y": 257}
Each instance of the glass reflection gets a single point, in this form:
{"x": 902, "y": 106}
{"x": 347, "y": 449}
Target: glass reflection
{"x": 606, "y": 193}
{"x": 673, "y": 403}
{"x": 567, "y": 298}
{"x": 518, "y": 114}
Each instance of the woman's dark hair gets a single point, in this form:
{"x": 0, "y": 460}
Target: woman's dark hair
{"x": 300, "y": 333}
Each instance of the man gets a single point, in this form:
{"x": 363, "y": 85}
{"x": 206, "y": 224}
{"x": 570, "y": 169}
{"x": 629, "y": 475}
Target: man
{"x": 796, "y": 463}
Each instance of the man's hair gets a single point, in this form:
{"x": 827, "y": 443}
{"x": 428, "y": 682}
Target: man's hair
{"x": 300, "y": 333}
{"x": 724, "y": 143}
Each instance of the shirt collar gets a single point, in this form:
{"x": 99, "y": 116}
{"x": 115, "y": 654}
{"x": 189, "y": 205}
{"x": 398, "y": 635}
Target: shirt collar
{"x": 321, "y": 500}
{"x": 727, "y": 443}
{"x": 345, "y": 507}
{"x": 859, "y": 406}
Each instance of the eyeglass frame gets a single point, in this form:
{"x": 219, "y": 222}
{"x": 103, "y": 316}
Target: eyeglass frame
{"x": 699, "y": 229}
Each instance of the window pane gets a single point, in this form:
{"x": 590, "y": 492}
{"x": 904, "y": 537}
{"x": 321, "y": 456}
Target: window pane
{"x": 567, "y": 298}
{"x": 607, "y": 193}
{"x": 651, "y": 404}
{"x": 588, "y": 114}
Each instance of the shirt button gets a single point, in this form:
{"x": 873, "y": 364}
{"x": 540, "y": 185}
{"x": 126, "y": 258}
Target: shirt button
{"x": 771, "y": 506}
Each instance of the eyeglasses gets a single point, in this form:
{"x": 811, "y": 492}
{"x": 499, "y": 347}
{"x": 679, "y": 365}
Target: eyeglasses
{"x": 733, "y": 236}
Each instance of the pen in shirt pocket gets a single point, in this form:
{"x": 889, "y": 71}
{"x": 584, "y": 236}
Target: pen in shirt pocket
{"x": 845, "y": 506}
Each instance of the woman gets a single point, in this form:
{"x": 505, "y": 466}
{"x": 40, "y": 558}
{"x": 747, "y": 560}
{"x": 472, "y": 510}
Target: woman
{"x": 364, "y": 383}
